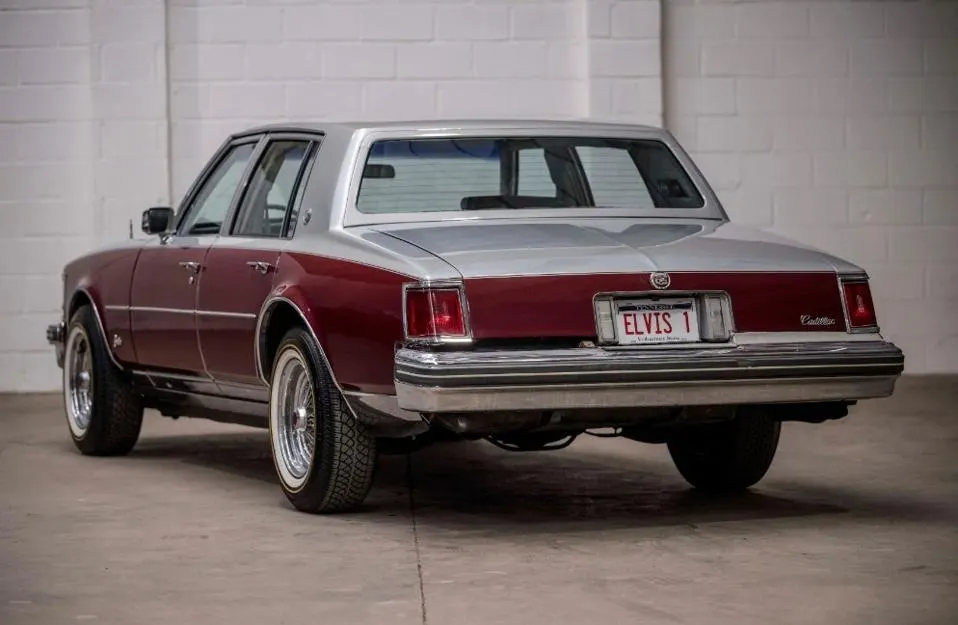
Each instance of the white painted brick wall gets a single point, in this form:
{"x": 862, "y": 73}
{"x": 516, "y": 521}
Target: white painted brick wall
{"x": 82, "y": 112}
{"x": 235, "y": 64}
{"x": 128, "y": 57}
{"x": 834, "y": 122}
{"x": 114, "y": 106}
{"x": 47, "y": 199}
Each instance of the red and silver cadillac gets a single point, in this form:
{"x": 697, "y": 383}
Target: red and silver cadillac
{"x": 365, "y": 288}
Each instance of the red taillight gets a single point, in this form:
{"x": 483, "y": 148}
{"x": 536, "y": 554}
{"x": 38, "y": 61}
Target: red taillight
{"x": 859, "y": 305}
{"x": 435, "y": 313}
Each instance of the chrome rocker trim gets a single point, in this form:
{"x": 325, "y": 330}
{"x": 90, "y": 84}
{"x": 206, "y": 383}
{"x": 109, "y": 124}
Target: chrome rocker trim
{"x": 474, "y": 381}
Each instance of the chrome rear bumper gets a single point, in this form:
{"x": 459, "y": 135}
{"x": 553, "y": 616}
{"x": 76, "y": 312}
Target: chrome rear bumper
{"x": 472, "y": 381}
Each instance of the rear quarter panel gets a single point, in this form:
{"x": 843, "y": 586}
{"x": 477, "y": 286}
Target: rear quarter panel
{"x": 354, "y": 309}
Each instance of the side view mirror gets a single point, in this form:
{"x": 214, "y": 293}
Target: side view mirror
{"x": 157, "y": 219}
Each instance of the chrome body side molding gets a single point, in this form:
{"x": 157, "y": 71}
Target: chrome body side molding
{"x": 182, "y": 311}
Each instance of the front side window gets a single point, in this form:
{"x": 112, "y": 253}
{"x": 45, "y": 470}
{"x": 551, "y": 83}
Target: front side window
{"x": 271, "y": 190}
{"x": 425, "y": 175}
{"x": 208, "y": 209}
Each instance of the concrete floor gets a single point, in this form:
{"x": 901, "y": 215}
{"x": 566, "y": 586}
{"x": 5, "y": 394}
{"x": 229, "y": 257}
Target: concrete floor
{"x": 857, "y": 522}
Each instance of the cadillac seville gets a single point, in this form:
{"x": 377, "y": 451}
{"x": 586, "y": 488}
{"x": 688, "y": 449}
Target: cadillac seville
{"x": 366, "y": 288}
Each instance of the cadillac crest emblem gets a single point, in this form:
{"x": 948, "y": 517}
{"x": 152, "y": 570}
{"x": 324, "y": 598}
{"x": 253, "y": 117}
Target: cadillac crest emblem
{"x": 660, "y": 280}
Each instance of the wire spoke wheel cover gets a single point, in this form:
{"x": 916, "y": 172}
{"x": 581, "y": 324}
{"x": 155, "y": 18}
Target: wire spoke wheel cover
{"x": 103, "y": 410}
{"x": 78, "y": 381}
{"x": 324, "y": 456}
{"x": 293, "y": 417}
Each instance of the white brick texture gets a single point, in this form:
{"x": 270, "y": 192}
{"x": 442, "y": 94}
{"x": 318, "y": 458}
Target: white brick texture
{"x": 83, "y": 113}
{"x": 834, "y": 122}
{"x": 237, "y": 64}
{"x": 113, "y": 106}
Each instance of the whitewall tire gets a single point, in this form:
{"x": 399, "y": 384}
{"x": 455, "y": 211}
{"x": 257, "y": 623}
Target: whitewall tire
{"x": 325, "y": 459}
{"x": 292, "y": 418}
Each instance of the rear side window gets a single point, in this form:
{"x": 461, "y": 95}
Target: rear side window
{"x": 424, "y": 175}
{"x": 270, "y": 189}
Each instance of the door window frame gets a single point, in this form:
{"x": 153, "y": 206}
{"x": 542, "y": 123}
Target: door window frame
{"x": 314, "y": 143}
{"x": 292, "y": 216}
{"x": 199, "y": 183}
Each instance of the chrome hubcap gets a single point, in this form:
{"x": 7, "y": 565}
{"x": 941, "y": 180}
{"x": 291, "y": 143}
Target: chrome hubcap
{"x": 80, "y": 380}
{"x": 297, "y": 419}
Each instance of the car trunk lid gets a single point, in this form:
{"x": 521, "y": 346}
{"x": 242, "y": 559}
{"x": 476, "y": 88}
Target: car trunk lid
{"x": 534, "y": 279}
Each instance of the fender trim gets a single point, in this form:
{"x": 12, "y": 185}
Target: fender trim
{"x": 261, "y": 320}
{"x": 99, "y": 322}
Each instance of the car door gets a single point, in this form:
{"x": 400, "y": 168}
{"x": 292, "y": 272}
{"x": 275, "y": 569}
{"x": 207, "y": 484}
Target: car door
{"x": 241, "y": 264}
{"x": 165, "y": 281}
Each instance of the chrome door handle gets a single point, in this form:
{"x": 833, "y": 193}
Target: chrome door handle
{"x": 190, "y": 265}
{"x": 261, "y": 266}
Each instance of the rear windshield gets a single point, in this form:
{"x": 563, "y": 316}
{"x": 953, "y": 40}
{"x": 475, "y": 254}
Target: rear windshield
{"x": 419, "y": 175}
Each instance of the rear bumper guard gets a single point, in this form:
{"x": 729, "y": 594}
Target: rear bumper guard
{"x": 471, "y": 381}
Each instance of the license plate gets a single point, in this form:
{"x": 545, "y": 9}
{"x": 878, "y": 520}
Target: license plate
{"x": 640, "y": 322}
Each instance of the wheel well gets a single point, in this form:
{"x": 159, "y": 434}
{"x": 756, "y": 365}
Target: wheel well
{"x": 79, "y": 298}
{"x": 279, "y": 319}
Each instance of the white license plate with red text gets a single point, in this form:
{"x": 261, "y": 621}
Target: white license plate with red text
{"x": 672, "y": 320}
